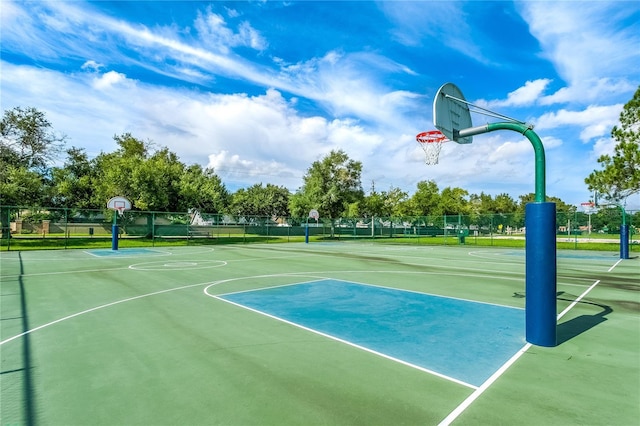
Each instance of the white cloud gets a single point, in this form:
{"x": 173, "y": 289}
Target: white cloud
{"x": 214, "y": 32}
{"x": 595, "y": 90}
{"x": 108, "y": 80}
{"x": 595, "y": 120}
{"x": 92, "y": 66}
{"x": 420, "y": 23}
{"x": 586, "y": 41}
{"x": 603, "y": 146}
{"x": 367, "y": 104}
{"x": 529, "y": 94}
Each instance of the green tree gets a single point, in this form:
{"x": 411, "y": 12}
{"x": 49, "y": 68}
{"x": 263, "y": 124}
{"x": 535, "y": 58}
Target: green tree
{"x": 394, "y": 201}
{"x": 151, "y": 180}
{"x": 564, "y": 211}
{"x": 503, "y": 203}
{"x": 373, "y": 204}
{"x": 270, "y": 200}
{"x": 384, "y": 204}
{"x": 620, "y": 173}
{"x": 202, "y": 189}
{"x": 20, "y": 186}
{"x": 156, "y": 182}
{"x": 27, "y": 139}
{"x": 330, "y": 185}
{"x": 482, "y": 203}
{"x": 28, "y": 145}
{"x": 453, "y": 201}
{"x": 115, "y": 169}
{"x": 74, "y": 183}
{"x": 426, "y": 199}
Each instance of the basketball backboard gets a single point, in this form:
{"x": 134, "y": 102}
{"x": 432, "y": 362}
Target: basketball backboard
{"x": 451, "y": 114}
{"x": 119, "y": 204}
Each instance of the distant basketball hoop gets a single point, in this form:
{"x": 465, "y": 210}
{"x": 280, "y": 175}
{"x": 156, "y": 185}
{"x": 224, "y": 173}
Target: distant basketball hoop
{"x": 587, "y": 207}
{"x": 431, "y": 143}
{"x": 119, "y": 204}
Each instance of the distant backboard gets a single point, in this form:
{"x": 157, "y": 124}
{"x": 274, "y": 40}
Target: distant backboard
{"x": 450, "y": 115}
{"x": 119, "y": 204}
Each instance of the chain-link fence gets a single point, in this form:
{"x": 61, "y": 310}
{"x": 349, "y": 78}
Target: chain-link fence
{"x": 30, "y": 227}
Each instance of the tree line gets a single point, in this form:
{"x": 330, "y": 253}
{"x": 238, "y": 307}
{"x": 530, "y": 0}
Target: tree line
{"x": 155, "y": 179}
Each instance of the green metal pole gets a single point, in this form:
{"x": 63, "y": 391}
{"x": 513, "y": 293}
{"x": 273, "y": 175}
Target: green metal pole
{"x": 538, "y": 148}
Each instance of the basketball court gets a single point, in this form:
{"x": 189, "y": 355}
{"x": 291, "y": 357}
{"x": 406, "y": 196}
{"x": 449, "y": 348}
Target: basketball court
{"x": 295, "y": 333}
{"x": 342, "y": 333}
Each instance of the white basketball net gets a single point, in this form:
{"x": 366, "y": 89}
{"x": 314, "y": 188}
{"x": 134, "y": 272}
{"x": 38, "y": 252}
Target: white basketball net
{"x": 431, "y": 143}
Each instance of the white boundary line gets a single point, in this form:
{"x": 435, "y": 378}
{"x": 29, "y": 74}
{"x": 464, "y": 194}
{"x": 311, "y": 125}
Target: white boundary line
{"x": 614, "y": 265}
{"x": 471, "y": 398}
{"x": 578, "y": 299}
{"x": 117, "y": 302}
{"x": 467, "y": 402}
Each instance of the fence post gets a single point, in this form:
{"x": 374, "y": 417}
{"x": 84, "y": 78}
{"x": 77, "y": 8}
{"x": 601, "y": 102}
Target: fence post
{"x": 444, "y": 228}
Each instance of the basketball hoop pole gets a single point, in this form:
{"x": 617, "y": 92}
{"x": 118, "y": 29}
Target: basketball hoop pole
{"x": 452, "y": 116}
{"x": 118, "y": 205}
{"x": 540, "y": 243}
{"x": 114, "y": 231}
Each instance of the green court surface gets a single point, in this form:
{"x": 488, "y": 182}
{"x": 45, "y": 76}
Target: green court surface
{"x": 308, "y": 334}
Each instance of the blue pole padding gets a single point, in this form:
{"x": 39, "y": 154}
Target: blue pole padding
{"x": 541, "y": 311}
{"x": 114, "y": 237}
{"x": 624, "y": 242}
{"x": 306, "y": 234}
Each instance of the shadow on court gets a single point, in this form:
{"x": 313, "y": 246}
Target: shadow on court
{"x": 23, "y": 365}
{"x": 576, "y": 326}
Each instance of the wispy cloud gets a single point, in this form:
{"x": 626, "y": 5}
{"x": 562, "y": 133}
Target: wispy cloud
{"x": 529, "y": 94}
{"x": 429, "y": 23}
{"x": 580, "y": 40}
{"x": 595, "y": 121}
{"x": 214, "y": 33}
{"x": 346, "y": 84}
{"x": 219, "y": 84}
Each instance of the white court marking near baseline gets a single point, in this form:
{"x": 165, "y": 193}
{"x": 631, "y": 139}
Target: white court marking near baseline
{"x": 471, "y": 398}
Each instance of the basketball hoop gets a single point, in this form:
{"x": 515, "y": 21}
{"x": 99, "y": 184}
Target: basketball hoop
{"x": 119, "y": 204}
{"x": 431, "y": 142}
{"x": 588, "y": 207}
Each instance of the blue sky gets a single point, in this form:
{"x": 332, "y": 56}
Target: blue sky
{"x": 261, "y": 89}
